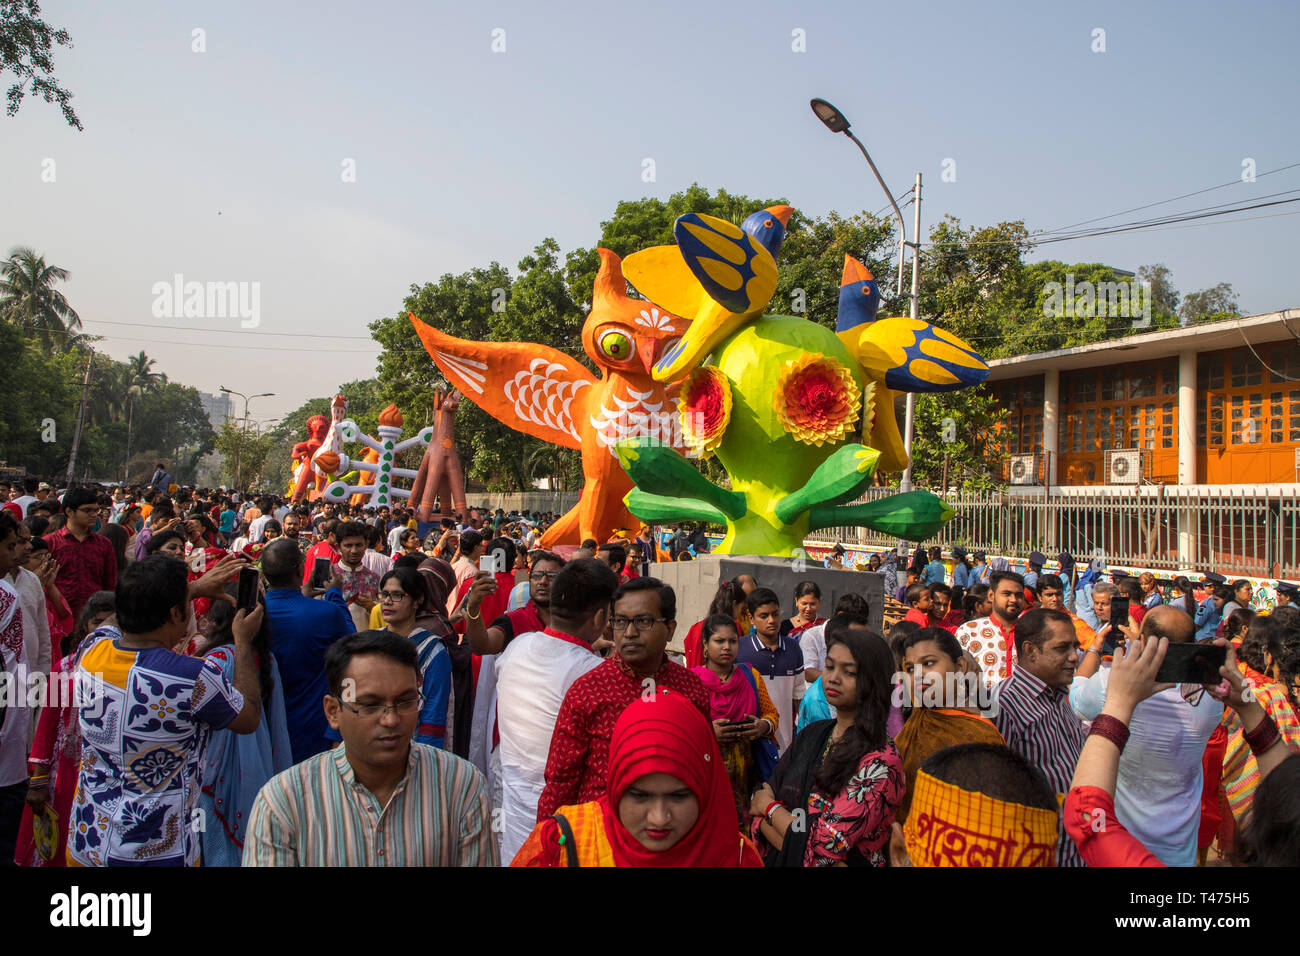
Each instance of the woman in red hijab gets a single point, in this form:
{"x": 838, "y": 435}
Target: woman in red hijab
{"x": 669, "y": 800}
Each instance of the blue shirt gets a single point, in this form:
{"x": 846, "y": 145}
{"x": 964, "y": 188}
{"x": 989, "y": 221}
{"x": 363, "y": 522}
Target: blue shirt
{"x": 961, "y": 575}
{"x": 980, "y": 573}
{"x": 1031, "y": 579}
{"x": 227, "y": 521}
{"x": 1207, "y": 619}
{"x": 934, "y": 573}
{"x": 302, "y": 629}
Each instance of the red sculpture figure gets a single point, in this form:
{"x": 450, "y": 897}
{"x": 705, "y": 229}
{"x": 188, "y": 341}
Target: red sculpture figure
{"x": 441, "y": 474}
{"x": 303, "y": 452}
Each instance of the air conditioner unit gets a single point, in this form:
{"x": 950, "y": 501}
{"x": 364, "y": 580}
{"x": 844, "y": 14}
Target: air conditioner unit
{"x": 1024, "y": 469}
{"x": 1124, "y": 466}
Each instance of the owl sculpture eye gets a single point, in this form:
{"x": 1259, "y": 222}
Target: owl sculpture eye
{"x": 616, "y": 345}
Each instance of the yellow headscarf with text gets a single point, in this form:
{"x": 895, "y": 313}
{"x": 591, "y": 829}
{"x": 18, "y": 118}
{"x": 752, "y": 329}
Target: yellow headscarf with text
{"x": 948, "y": 826}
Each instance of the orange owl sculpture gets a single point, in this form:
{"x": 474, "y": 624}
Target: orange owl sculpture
{"x": 545, "y": 393}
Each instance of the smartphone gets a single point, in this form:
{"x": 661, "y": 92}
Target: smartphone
{"x": 247, "y": 594}
{"x": 1192, "y": 664}
{"x": 489, "y": 563}
{"x": 1119, "y": 611}
{"x": 321, "y": 572}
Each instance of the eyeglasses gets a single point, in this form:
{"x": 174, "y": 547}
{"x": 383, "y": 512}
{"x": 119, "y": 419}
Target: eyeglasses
{"x": 544, "y": 575}
{"x": 407, "y": 705}
{"x": 391, "y": 597}
{"x": 90, "y": 509}
{"x": 642, "y": 622}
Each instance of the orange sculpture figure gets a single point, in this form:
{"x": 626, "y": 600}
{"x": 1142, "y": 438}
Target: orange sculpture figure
{"x": 542, "y": 392}
{"x": 366, "y": 478}
{"x": 304, "y": 476}
{"x": 441, "y": 474}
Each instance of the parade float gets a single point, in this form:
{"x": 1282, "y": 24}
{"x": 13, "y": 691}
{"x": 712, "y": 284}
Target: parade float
{"x": 310, "y": 457}
{"x": 541, "y": 391}
{"x": 386, "y": 446}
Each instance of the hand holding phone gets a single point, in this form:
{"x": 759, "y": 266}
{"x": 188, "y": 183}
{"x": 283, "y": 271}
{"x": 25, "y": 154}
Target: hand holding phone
{"x": 246, "y": 598}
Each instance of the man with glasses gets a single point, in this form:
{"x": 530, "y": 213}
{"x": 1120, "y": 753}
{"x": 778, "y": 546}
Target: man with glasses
{"x": 1158, "y": 793}
{"x": 87, "y": 562}
{"x": 533, "y": 674}
{"x": 380, "y": 799}
{"x": 533, "y": 616}
{"x": 644, "y": 619}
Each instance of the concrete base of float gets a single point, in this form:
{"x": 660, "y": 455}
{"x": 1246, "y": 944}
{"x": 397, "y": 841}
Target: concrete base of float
{"x": 696, "y": 582}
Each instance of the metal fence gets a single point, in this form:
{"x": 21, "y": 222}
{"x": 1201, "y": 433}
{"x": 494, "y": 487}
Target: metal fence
{"x": 1175, "y": 529}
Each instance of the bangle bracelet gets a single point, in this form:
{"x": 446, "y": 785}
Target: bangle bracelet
{"x": 1264, "y": 735}
{"x": 473, "y": 617}
{"x": 767, "y": 813}
{"x": 1111, "y": 728}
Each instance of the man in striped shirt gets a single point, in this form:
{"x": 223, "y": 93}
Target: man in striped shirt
{"x": 1032, "y": 707}
{"x": 380, "y": 799}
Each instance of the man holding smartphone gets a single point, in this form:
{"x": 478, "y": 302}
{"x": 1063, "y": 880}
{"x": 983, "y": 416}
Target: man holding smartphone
{"x": 1158, "y": 793}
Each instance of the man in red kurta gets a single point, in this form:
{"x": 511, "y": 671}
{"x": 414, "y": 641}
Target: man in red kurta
{"x": 87, "y": 562}
{"x": 644, "y": 620}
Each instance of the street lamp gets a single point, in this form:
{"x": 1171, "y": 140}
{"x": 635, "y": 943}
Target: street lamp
{"x": 246, "y": 398}
{"x": 837, "y": 122}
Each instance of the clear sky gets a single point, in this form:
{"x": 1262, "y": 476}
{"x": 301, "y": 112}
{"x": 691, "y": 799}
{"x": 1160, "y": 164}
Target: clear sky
{"x": 228, "y": 165}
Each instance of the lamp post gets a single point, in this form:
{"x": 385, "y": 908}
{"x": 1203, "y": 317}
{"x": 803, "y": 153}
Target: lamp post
{"x": 837, "y": 122}
{"x": 246, "y": 398}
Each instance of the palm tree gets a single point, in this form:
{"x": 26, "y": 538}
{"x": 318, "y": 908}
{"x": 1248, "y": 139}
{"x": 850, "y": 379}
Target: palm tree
{"x": 28, "y": 297}
{"x": 139, "y": 378}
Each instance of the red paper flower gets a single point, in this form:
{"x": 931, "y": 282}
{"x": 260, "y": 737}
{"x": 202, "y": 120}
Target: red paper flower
{"x": 817, "y": 399}
{"x": 705, "y": 406}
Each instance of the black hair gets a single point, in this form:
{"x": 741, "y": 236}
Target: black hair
{"x": 222, "y": 618}
{"x": 851, "y": 603}
{"x": 875, "y": 687}
{"x": 1051, "y": 582}
{"x": 507, "y": 549}
{"x": 162, "y": 512}
{"x": 589, "y": 543}
{"x": 37, "y": 524}
{"x": 161, "y": 538}
{"x": 944, "y": 638}
{"x": 1237, "y": 622}
{"x": 282, "y": 563}
{"x": 390, "y": 645}
{"x": 976, "y": 594}
{"x": 79, "y": 498}
{"x": 148, "y": 591}
{"x": 38, "y": 544}
{"x": 1031, "y": 627}
{"x": 1270, "y": 835}
{"x": 667, "y": 596}
{"x": 714, "y": 623}
{"x": 995, "y": 771}
{"x": 914, "y": 592}
{"x": 804, "y": 588}
{"x": 537, "y": 557}
{"x": 408, "y": 561}
{"x": 117, "y": 536}
{"x": 583, "y": 587}
{"x": 8, "y": 524}
{"x": 617, "y": 553}
{"x": 350, "y": 529}
{"x": 997, "y": 577}
{"x": 1238, "y": 584}
{"x": 725, "y": 600}
{"x": 96, "y": 604}
{"x": 938, "y": 587}
{"x": 898, "y": 635}
{"x": 1254, "y": 643}
{"x": 760, "y": 596}
{"x": 1284, "y": 650}
{"x": 1132, "y": 589}
{"x": 410, "y": 580}
{"x": 469, "y": 540}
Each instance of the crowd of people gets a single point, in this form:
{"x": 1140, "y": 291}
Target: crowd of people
{"x": 199, "y": 677}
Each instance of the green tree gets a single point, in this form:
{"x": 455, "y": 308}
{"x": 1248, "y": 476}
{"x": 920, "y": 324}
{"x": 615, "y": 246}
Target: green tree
{"x": 26, "y": 42}
{"x": 957, "y": 431}
{"x": 1164, "y": 297}
{"x": 28, "y": 298}
{"x": 1209, "y": 305}
{"x": 244, "y": 451}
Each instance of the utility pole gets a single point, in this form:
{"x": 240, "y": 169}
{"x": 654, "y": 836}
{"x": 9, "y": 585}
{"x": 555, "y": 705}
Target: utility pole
{"x": 906, "y": 483}
{"x": 81, "y": 417}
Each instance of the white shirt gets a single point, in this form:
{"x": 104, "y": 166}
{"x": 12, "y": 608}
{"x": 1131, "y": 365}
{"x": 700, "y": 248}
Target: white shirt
{"x": 1158, "y": 793}
{"x": 534, "y": 673}
{"x": 395, "y": 538}
{"x": 14, "y": 745}
{"x": 23, "y": 501}
{"x": 381, "y": 564}
{"x": 813, "y": 644}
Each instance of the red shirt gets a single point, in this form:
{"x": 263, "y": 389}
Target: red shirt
{"x": 577, "y": 766}
{"x": 321, "y": 549}
{"x": 918, "y": 617}
{"x": 85, "y": 567}
{"x": 521, "y": 620}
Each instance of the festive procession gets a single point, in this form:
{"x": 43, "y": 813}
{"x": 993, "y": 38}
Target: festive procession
{"x": 703, "y": 544}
